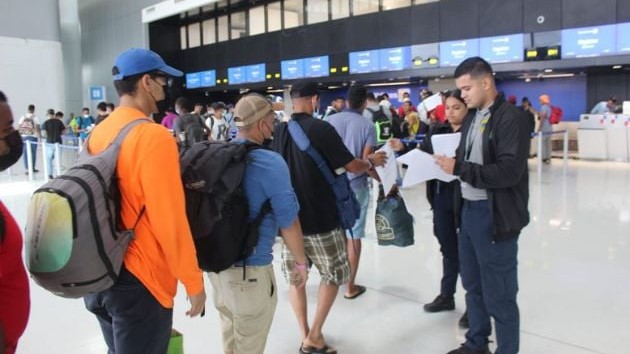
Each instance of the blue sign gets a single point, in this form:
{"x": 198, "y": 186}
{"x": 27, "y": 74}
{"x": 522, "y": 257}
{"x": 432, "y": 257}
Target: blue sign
{"x": 256, "y": 73}
{"x": 97, "y": 93}
{"x": 316, "y": 67}
{"x": 193, "y": 80}
{"x": 395, "y": 58}
{"x": 588, "y": 41}
{"x": 208, "y": 78}
{"x": 237, "y": 75}
{"x": 502, "y": 49}
{"x": 454, "y": 52}
{"x": 364, "y": 62}
{"x": 623, "y": 38}
{"x": 292, "y": 69}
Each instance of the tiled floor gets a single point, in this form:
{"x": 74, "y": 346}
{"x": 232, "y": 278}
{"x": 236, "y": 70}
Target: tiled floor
{"x": 574, "y": 271}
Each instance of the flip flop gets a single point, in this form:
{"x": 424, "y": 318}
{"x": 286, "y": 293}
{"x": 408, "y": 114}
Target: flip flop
{"x": 360, "y": 291}
{"x": 312, "y": 350}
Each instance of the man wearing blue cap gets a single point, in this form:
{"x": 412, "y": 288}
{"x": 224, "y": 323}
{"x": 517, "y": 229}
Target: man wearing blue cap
{"x": 136, "y": 313}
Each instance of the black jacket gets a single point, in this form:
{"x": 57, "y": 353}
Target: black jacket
{"x": 504, "y": 173}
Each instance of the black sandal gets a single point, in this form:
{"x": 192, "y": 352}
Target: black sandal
{"x": 312, "y": 350}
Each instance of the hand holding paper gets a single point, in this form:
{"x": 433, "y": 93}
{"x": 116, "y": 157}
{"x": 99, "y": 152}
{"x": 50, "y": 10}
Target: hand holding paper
{"x": 388, "y": 172}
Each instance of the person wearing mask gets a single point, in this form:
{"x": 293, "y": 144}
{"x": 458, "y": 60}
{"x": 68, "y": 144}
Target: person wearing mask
{"x": 85, "y": 123}
{"x": 441, "y": 196}
{"x": 324, "y": 240}
{"x": 136, "y": 313}
{"x": 247, "y": 306}
{"x": 54, "y": 130}
{"x": 359, "y": 136}
{"x": 14, "y": 286}
{"x": 603, "y": 107}
{"x": 545, "y": 127}
{"x": 29, "y": 128}
{"x": 491, "y": 163}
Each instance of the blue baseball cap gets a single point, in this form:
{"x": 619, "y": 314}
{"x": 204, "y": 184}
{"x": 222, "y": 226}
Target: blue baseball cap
{"x": 136, "y": 61}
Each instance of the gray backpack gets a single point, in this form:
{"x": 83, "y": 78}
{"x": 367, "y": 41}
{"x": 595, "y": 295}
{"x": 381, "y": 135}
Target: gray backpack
{"x": 73, "y": 243}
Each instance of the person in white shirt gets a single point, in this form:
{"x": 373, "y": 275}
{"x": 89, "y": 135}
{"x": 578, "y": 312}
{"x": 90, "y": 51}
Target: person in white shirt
{"x": 219, "y": 127}
{"x": 29, "y": 128}
{"x": 605, "y": 106}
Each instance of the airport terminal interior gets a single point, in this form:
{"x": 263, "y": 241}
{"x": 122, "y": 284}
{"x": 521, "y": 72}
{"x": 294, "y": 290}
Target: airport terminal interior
{"x": 574, "y": 254}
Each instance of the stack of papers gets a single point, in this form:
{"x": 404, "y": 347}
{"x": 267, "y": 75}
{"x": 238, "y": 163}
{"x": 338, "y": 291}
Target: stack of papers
{"x": 389, "y": 172}
{"x": 422, "y": 167}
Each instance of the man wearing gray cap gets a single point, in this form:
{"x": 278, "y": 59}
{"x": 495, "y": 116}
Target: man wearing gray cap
{"x": 247, "y": 305}
{"x": 324, "y": 240}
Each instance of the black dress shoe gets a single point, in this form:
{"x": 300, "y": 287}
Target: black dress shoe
{"x": 465, "y": 350}
{"x": 463, "y": 322}
{"x": 441, "y": 303}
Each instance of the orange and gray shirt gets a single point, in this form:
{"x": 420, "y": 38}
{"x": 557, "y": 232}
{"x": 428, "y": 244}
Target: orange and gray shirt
{"x": 148, "y": 171}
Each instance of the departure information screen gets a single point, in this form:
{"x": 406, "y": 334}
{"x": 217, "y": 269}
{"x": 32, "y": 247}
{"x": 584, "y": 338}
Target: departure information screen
{"x": 256, "y": 73}
{"x": 392, "y": 59}
{"x": 588, "y": 41}
{"x": 237, "y": 75}
{"x": 193, "y": 80}
{"x": 364, "y": 62}
{"x": 502, "y": 49}
{"x": 316, "y": 66}
{"x": 292, "y": 69}
{"x": 623, "y": 38}
{"x": 454, "y": 52}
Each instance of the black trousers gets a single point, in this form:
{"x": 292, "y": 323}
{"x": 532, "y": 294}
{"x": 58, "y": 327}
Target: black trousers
{"x": 446, "y": 233}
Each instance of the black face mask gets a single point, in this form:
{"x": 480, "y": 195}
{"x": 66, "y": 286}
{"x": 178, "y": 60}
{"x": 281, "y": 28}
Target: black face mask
{"x": 14, "y": 141}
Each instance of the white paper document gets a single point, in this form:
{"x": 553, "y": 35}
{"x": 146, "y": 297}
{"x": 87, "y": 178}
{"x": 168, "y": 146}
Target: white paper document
{"x": 445, "y": 144}
{"x": 389, "y": 172}
{"x": 421, "y": 167}
{"x": 431, "y": 102}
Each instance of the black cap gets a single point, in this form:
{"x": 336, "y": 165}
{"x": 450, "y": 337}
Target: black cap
{"x": 304, "y": 88}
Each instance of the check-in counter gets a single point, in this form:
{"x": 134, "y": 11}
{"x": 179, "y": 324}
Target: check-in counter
{"x": 617, "y": 137}
{"x": 592, "y": 137}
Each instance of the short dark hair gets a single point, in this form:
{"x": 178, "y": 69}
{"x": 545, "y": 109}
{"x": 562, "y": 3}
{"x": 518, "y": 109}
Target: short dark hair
{"x": 59, "y": 114}
{"x": 31, "y": 108}
{"x": 357, "y": 94}
{"x": 475, "y": 66}
{"x": 339, "y": 98}
{"x": 3, "y": 97}
{"x": 385, "y": 95}
{"x": 110, "y": 106}
{"x": 85, "y": 109}
{"x": 184, "y": 103}
{"x": 101, "y": 106}
{"x": 457, "y": 94}
{"x": 613, "y": 99}
{"x": 50, "y": 111}
{"x": 370, "y": 96}
{"x": 127, "y": 86}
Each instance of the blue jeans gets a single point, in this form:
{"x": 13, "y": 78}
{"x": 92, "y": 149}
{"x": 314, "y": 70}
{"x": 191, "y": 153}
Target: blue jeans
{"x": 131, "y": 319}
{"x": 363, "y": 197}
{"x": 33, "y": 150}
{"x": 446, "y": 233}
{"x": 489, "y": 275}
{"x": 50, "y": 155}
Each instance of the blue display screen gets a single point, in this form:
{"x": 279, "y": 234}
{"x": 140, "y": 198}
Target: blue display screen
{"x": 193, "y": 80}
{"x": 588, "y": 41}
{"x": 623, "y": 38}
{"x": 292, "y": 69}
{"x": 316, "y": 67}
{"x": 395, "y": 58}
{"x": 256, "y": 73}
{"x": 454, "y": 52}
{"x": 364, "y": 62}
{"x": 208, "y": 78}
{"x": 502, "y": 49}
{"x": 237, "y": 75}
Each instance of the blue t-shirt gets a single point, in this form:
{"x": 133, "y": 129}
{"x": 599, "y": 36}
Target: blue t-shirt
{"x": 267, "y": 177}
{"x": 356, "y": 131}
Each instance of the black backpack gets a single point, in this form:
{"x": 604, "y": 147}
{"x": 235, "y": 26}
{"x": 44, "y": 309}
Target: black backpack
{"x": 193, "y": 127}
{"x": 383, "y": 126}
{"x": 216, "y": 205}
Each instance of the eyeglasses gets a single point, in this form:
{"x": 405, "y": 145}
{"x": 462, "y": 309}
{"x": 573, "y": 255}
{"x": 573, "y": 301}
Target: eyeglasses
{"x": 160, "y": 79}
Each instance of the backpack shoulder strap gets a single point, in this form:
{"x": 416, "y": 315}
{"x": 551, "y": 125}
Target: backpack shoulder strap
{"x": 119, "y": 138}
{"x": 302, "y": 141}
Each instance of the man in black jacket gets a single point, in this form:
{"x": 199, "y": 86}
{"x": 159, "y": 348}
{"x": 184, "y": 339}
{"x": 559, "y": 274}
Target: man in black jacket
{"x": 491, "y": 163}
